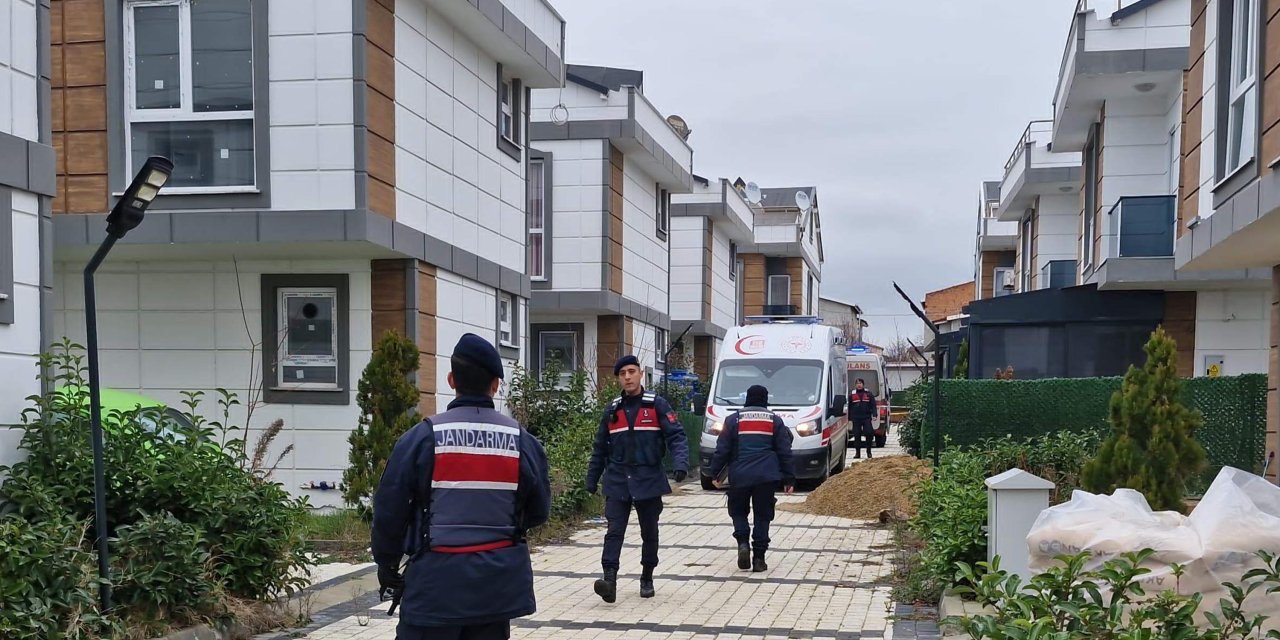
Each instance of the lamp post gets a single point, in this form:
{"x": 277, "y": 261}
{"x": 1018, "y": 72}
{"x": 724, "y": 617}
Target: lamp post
{"x": 937, "y": 377}
{"x": 125, "y": 216}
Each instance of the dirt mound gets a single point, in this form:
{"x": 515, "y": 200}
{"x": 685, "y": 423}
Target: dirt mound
{"x": 866, "y": 489}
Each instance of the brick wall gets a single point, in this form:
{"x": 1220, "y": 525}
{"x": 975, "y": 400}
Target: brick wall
{"x": 941, "y": 304}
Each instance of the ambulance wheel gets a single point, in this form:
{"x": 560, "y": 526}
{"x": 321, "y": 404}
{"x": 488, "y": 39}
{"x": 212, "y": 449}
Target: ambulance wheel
{"x": 706, "y": 483}
{"x": 843, "y": 461}
{"x": 880, "y": 440}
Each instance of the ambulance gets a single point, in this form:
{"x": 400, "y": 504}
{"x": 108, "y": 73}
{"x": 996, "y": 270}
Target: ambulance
{"x": 802, "y": 363}
{"x": 869, "y": 366}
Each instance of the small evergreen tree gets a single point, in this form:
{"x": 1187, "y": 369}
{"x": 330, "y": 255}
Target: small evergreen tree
{"x": 388, "y": 403}
{"x": 1151, "y": 448}
{"x": 962, "y": 361}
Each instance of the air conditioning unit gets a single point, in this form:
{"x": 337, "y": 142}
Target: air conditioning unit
{"x": 1008, "y": 280}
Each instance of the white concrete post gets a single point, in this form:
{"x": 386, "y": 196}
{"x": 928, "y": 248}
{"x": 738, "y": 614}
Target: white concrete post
{"x": 1015, "y": 499}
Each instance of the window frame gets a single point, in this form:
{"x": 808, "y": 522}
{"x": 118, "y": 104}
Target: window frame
{"x": 733, "y": 261}
{"x": 184, "y": 113}
{"x": 662, "y": 211}
{"x": 660, "y": 348}
{"x": 514, "y": 144}
{"x": 1090, "y": 209}
{"x": 1242, "y": 88}
{"x": 541, "y": 188}
{"x": 1027, "y": 266}
{"x": 769, "y": 290}
{"x": 512, "y": 344}
{"x": 8, "y": 314}
{"x": 997, "y": 284}
{"x": 282, "y": 327}
{"x": 565, "y": 374}
{"x": 272, "y": 286}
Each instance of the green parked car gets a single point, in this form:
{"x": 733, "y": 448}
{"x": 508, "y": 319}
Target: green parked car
{"x": 115, "y": 401}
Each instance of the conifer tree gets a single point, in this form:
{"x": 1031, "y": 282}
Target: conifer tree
{"x": 388, "y": 403}
{"x": 1152, "y": 448}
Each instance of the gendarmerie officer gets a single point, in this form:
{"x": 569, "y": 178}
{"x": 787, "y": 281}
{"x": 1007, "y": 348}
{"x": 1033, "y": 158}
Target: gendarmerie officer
{"x": 634, "y": 435}
{"x": 459, "y": 492}
{"x": 862, "y": 412}
{"x": 756, "y": 447}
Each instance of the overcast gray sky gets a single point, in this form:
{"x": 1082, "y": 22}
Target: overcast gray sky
{"x": 895, "y": 109}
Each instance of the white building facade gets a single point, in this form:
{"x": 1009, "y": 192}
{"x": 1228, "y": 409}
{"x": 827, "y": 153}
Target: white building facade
{"x": 342, "y": 169}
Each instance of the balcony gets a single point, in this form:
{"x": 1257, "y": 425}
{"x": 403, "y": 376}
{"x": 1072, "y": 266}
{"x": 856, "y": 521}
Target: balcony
{"x": 526, "y": 36}
{"x": 1058, "y": 274}
{"x": 996, "y": 235}
{"x": 1142, "y": 227}
{"x": 1034, "y": 169}
{"x": 1117, "y": 49}
{"x": 1139, "y": 250}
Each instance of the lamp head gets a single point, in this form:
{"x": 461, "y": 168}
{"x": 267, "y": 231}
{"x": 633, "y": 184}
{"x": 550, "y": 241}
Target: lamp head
{"x": 132, "y": 206}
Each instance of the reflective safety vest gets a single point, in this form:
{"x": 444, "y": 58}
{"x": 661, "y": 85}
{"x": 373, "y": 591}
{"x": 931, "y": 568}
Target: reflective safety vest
{"x": 474, "y": 482}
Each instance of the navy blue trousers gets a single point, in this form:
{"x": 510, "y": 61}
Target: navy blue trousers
{"x": 617, "y": 512}
{"x": 742, "y": 501}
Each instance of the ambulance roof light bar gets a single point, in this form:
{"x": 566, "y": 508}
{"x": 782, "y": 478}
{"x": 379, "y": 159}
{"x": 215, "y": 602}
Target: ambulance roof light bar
{"x": 783, "y": 320}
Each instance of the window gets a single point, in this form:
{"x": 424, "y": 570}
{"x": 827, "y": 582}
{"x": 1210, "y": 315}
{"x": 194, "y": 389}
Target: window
{"x": 510, "y": 114}
{"x": 733, "y": 260}
{"x": 506, "y": 320}
{"x": 809, "y": 299}
{"x": 537, "y": 220}
{"x": 189, "y": 91}
{"x": 779, "y": 290}
{"x": 305, "y": 338}
{"x": 1090, "y": 198}
{"x": 1175, "y": 159}
{"x": 1027, "y": 266}
{"x": 660, "y": 347}
{"x": 663, "y": 213}
{"x": 7, "y": 215}
{"x": 1242, "y": 113}
{"x": 559, "y": 349}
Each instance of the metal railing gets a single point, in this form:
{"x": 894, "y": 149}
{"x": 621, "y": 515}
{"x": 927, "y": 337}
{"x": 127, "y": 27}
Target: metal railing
{"x": 1142, "y": 227}
{"x": 1021, "y": 147}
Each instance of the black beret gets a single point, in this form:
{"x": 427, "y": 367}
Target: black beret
{"x": 624, "y": 361}
{"x": 757, "y": 396}
{"x": 478, "y": 351}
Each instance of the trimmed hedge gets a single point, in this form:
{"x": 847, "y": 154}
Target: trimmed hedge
{"x": 1234, "y": 408}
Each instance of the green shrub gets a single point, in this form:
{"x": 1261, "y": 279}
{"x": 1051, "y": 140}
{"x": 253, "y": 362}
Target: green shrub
{"x": 1067, "y": 602}
{"x": 1152, "y": 447}
{"x": 952, "y": 504}
{"x": 161, "y": 569}
{"x": 388, "y": 403}
{"x": 916, "y": 399}
{"x": 47, "y": 579}
{"x": 198, "y": 476}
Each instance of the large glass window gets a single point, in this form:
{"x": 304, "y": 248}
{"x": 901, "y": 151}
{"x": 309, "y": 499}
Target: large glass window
{"x": 308, "y": 356}
{"x": 1242, "y": 113}
{"x": 189, "y": 90}
{"x": 561, "y": 348}
{"x": 537, "y": 220}
{"x": 791, "y": 383}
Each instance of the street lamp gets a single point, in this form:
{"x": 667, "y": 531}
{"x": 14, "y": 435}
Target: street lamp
{"x": 124, "y": 217}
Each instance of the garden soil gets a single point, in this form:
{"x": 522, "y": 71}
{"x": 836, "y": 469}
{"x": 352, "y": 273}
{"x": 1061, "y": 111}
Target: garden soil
{"x": 866, "y": 489}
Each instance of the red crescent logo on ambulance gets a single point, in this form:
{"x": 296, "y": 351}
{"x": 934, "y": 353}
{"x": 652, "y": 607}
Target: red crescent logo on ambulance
{"x": 750, "y": 345}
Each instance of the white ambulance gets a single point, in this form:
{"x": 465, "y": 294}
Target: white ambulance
{"x": 802, "y": 363}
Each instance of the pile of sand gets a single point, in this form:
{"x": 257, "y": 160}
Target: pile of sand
{"x": 866, "y": 489}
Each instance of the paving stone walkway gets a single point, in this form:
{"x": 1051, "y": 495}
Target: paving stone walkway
{"x": 827, "y": 578}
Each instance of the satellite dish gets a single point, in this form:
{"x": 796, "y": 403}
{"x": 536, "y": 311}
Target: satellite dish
{"x": 679, "y": 126}
{"x": 802, "y": 201}
{"x": 753, "y": 193}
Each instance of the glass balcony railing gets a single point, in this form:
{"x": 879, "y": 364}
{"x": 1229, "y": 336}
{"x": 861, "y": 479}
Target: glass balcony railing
{"x": 1142, "y": 227}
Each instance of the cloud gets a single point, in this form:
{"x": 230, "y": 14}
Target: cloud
{"x": 895, "y": 110}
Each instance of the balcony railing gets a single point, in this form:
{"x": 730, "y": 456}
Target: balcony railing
{"x": 1142, "y": 227}
{"x": 1034, "y": 131}
{"x": 1058, "y": 274}
{"x": 994, "y": 227}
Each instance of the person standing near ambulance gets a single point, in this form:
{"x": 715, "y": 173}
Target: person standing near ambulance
{"x": 862, "y": 413}
{"x": 634, "y": 435}
{"x": 459, "y": 492}
{"x": 755, "y": 445}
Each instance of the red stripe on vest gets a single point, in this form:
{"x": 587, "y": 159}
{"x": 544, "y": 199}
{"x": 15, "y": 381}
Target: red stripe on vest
{"x": 470, "y": 467}
{"x": 755, "y": 427}
{"x": 476, "y": 548}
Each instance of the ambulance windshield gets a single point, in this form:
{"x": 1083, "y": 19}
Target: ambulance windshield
{"x": 791, "y": 383}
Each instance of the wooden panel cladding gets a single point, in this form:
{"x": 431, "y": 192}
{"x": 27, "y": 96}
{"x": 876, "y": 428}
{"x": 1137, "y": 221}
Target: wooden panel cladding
{"x": 1180, "y": 324}
{"x": 795, "y": 269}
{"x": 78, "y": 104}
{"x": 403, "y": 291}
{"x": 1192, "y": 123}
{"x": 1271, "y": 89}
{"x": 617, "y": 205}
{"x": 991, "y": 260}
{"x": 610, "y": 345}
{"x": 380, "y": 78}
{"x": 708, "y": 263}
{"x": 389, "y": 297}
{"x": 704, "y": 357}
{"x": 753, "y": 284}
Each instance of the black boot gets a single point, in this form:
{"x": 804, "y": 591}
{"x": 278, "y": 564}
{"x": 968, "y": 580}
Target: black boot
{"x": 607, "y": 587}
{"x": 646, "y": 583}
{"x": 744, "y": 556}
{"x": 757, "y": 563}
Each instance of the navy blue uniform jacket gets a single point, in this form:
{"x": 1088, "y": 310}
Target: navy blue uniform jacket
{"x": 756, "y": 446}
{"x": 444, "y": 589}
{"x": 634, "y": 435}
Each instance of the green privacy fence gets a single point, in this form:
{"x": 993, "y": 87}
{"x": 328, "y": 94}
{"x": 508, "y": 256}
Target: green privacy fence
{"x": 693, "y": 431}
{"x": 1234, "y": 409}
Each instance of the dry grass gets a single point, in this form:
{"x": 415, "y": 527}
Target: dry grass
{"x": 866, "y": 489}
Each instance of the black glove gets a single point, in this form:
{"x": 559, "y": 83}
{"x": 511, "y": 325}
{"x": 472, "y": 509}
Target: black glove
{"x": 592, "y": 488}
{"x": 681, "y": 474}
{"x": 389, "y": 578}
